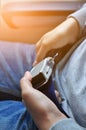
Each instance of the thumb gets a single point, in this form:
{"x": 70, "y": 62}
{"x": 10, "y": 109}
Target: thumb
{"x": 25, "y": 82}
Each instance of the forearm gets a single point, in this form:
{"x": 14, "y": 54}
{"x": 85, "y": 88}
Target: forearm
{"x": 42, "y": 110}
{"x": 72, "y": 28}
{"x": 46, "y": 120}
{"x": 67, "y": 32}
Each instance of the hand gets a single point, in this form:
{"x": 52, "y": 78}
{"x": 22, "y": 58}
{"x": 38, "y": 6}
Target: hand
{"x": 43, "y": 110}
{"x": 65, "y": 33}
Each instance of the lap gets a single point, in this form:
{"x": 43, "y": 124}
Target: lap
{"x": 15, "y": 116}
{"x": 15, "y": 59}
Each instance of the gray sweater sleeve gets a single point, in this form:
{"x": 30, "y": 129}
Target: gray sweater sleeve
{"x": 70, "y": 124}
{"x": 66, "y": 124}
{"x": 80, "y": 16}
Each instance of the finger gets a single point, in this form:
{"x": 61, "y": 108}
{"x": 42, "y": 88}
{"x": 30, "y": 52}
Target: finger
{"x": 25, "y": 82}
{"x": 38, "y": 45}
{"x": 35, "y": 63}
{"x": 28, "y": 75}
{"x": 41, "y": 54}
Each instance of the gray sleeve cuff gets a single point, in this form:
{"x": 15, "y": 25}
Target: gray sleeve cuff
{"x": 66, "y": 124}
{"x": 80, "y": 16}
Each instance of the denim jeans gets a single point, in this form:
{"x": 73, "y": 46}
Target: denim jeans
{"x": 15, "y": 59}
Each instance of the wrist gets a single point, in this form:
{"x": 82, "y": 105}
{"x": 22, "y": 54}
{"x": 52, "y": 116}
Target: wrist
{"x": 50, "y": 118}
